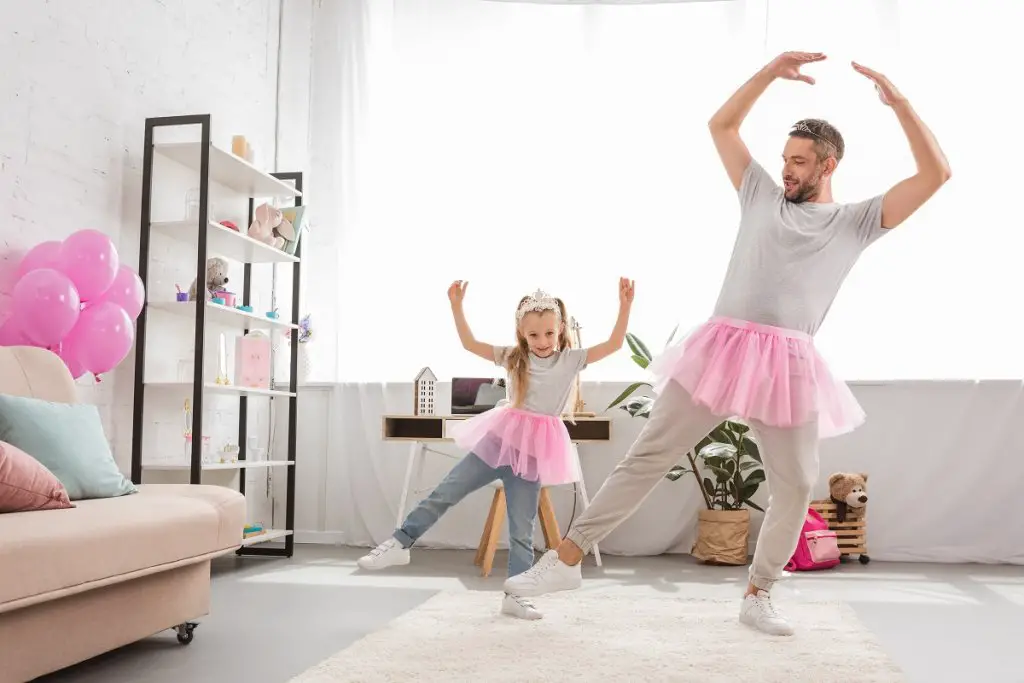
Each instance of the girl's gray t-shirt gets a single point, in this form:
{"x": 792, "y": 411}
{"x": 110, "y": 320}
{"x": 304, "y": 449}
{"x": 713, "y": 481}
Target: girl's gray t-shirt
{"x": 790, "y": 259}
{"x": 550, "y": 379}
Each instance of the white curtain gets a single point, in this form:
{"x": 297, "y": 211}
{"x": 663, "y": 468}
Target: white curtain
{"x": 525, "y": 145}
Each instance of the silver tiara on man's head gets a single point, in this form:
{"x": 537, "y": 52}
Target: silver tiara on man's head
{"x": 538, "y": 302}
{"x": 803, "y": 128}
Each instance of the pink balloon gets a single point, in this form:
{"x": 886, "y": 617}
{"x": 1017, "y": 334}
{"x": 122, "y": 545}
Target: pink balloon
{"x": 126, "y": 291}
{"x": 102, "y": 338}
{"x": 70, "y": 357}
{"x": 45, "y": 305}
{"x": 43, "y": 255}
{"x": 89, "y": 258}
{"x": 11, "y": 335}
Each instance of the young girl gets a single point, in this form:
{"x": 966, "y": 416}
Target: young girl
{"x": 523, "y": 442}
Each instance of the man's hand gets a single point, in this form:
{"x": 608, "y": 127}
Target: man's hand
{"x": 887, "y": 92}
{"x": 626, "y": 291}
{"x": 457, "y": 292}
{"x": 787, "y": 65}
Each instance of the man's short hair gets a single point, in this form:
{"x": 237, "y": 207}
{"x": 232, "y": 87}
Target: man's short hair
{"x": 828, "y": 141}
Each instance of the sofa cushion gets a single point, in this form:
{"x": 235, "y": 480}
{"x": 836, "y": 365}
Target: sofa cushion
{"x": 25, "y": 484}
{"x": 68, "y": 439}
{"x": 52, "y": 551}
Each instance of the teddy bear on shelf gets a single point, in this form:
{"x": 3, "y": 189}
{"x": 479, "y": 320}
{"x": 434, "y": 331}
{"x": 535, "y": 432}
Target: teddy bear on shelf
{"x": 216, "y": 278}
{"x": 270, "y": 226}
{"x": 847, "y": 490}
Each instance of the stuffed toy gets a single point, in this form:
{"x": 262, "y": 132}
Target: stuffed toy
{"x": 270, "y": 226}
{"x": 847, "y": 490}
{"x": 216, "y": 278}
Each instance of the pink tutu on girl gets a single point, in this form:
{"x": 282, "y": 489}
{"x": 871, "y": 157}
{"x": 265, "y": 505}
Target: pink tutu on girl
{"x": 760, "y": 372}
{"x": 537, "y": 447}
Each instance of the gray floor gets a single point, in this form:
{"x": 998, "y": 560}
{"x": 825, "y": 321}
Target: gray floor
{"x": 272, "y": 619}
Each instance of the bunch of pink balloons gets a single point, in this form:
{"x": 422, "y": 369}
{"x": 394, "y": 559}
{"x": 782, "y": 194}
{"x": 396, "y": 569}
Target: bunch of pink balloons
{"x": 76, "y": 299}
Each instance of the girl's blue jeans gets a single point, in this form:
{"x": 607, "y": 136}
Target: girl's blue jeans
{"x": 470, "y": 474}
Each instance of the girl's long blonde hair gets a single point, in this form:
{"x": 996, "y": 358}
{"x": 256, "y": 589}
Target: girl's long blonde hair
{"x": 517, "y": 363}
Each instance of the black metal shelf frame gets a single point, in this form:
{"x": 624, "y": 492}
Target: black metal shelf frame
{"x": 196, "y": 464}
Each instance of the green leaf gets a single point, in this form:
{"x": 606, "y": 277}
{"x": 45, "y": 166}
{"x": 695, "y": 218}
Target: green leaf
{"x": 754, "y": 505}
{"x": 748, "y": 465}
{"x": 738, "y": 427}
{"x": 639, "y": 406}
{"x": 677, "y": 472}
{"x": 730, "y": 465}
{"x": 723, "y": 475}
{"x": 751, "y": 448}
{"x": 641, "y": 361}
{"x": 629, "y": 390}
{"x": 755, "y": 477}
{"x": 709, "y": 487}
{"x": 722, "y": 435}
{"x": 637, "y": 346}
{"x": 672, "y": 336}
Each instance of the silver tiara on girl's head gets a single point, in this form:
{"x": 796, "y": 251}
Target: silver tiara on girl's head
{"x": 538, "y": 302}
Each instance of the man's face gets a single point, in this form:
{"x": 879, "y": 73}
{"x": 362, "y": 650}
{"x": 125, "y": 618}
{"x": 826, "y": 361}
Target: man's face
{"x": 803, "y": 171}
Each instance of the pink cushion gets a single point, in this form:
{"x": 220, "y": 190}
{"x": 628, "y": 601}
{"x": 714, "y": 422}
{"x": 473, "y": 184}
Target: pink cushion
{"x": 25, "y": 484}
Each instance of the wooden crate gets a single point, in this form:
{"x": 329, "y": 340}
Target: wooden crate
{"x": 851, "y": 534}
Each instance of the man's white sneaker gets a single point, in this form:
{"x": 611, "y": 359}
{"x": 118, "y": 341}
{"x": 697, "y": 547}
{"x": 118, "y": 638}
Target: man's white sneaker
{"x": 390, "y": 553}
{"x": 520, "y": 608}
{"x": 548, "y": 575}
{"x": 758, "y": 612}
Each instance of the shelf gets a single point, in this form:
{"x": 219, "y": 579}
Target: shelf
{"x": 242, "y": 464}
{"x": 268, "y": 535}
{"x": 225, "y": 389}
{"x": 228, "y": 170}
{"x": 218, "y": 314}
{"x": 223, "y": 241}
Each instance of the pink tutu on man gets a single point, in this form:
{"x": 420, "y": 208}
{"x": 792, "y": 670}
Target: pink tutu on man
{"x": 760, "y": 372}
{"x": 537, "y": 447}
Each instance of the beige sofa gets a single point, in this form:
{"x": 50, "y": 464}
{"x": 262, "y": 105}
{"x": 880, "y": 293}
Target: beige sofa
{"x": 78, "y": 582}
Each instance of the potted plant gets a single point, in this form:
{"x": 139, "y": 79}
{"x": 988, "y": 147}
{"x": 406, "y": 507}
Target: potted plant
{"x": 729, "y": 474}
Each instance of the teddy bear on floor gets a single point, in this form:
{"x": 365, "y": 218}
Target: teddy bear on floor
{"x": 216, "y": 278}
{"x": 270, "y": 226}
{"x": 847, "y": 490}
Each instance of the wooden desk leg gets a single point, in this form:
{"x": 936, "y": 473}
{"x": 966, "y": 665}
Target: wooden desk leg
{"x": 481, "y": 549}
{"x": 415, "y": 454}
{"x": 487, "y": 561}
{"x": 548, "y": 523}
{"x": 586, "y": 504}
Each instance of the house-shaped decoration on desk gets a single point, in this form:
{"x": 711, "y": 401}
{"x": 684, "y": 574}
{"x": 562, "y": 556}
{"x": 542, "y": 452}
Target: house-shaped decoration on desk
{"x": 424, "y": 392}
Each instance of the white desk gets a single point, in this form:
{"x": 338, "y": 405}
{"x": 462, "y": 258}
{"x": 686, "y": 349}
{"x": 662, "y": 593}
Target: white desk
{"x": 422, "y": 430}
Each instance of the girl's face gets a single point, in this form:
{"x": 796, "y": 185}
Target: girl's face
{"x": 540, "y": 330}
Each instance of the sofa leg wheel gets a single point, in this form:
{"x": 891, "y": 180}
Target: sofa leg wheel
{"x": 185, "y": 632}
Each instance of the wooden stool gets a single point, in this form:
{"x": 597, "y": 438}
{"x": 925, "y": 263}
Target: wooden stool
{"x": 496, "y": 520}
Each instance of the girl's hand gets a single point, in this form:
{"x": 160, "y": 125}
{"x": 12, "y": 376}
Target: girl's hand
{"x": 457, "y": 291}
{"x": 626, "y": 290}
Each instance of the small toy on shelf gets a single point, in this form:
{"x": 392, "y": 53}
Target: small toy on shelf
{"x": 251, "y": 530}
{"x": 216, "y": 278}
{"x": 244, "y": 308}
{"x": 180, "y": 296}
{"x": 252, "y": 361}
{"x": 229, "y": 453}
{"x": 424, "y": 392}
{"x": 273, "y": 315}
{"x": 270, "y": 226}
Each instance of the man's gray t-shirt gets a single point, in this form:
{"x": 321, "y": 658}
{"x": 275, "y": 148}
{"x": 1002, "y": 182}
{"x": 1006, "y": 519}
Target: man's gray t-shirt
{"x": 790, "y": 259}
{"x": 550, "y": 380}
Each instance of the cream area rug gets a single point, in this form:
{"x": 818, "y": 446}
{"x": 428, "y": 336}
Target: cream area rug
{"x": 605, "y": 637}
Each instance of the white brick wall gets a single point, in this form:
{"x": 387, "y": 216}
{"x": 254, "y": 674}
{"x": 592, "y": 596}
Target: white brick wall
{"x": 79, "y": 78}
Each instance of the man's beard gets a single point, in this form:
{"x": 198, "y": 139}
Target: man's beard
{"x": 805, "y": 191}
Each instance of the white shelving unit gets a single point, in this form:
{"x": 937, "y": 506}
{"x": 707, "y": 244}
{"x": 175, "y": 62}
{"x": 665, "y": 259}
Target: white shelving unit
{"x": 245, "y": 181}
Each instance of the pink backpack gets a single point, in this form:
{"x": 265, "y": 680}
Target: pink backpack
{"x": 817, "y": 548}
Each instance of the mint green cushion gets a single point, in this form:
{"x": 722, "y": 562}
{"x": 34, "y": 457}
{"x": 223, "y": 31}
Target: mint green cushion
{"x": 68, "y": 440}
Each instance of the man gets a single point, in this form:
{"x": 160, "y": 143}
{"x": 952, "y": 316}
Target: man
{"x": 755, "y": 358}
